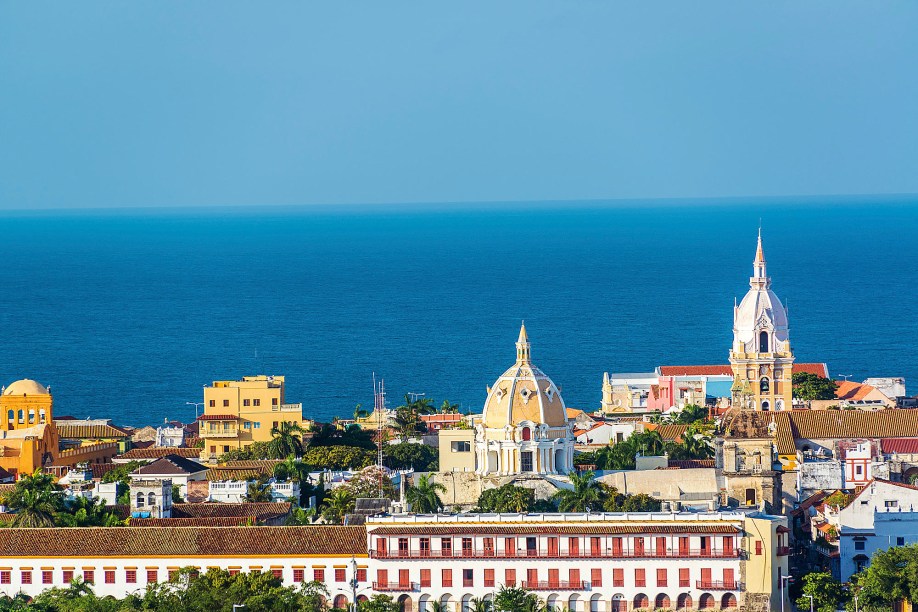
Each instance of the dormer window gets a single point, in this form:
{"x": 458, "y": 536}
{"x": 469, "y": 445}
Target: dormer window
{"x": 763, "y": 342}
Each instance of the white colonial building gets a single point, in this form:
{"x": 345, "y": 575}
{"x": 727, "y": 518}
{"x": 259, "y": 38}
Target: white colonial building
{"x": 524, "y": 428}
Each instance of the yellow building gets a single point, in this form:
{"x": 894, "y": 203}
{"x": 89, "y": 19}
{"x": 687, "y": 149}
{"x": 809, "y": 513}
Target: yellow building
{"x": 29, "y": 438}
{"x": 761, "y": 357}
{"x": 240, "y": 412}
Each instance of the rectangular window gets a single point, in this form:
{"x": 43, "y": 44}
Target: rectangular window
{"x": 256, "y": 402}
{"x": 47, "y": 577}
{"x": 89, "y": 576}
{"x": 639, "y": 547}
{"x": 109, "y": 576}
{"x": 728, "y": 577}
{"x": 596, "y": 577}
{"x": 361, "y": 574}
{"x": 660, "y": 547}
{"x": 246, "y": 402}
{"x": 403, "y": 581}
{"x": 299, "y": 574}
{"x": 26, "y": 577}
{"x": 758, "y": 547}
{"x": 151, "y": 575}
{"x": 226, "y": 403}
{"x": 532, "y": 577}
{"x": 339, "y": 575}
{"x": 274, "y": 401}
{"x": 466, "y": 547}
{"x": 706, "y": 576}
{"x": 509, "y": 547}
{"x": 6, "y": 577}
{"x": 573, "y": 576}
{"x": 213, "y": 403}
{"x": 425, "y": 578}
{"x": 661, "y": 577}
{"x": 446, "y": 547}
{"x": 277, "y": 572}
{"x": 382, "y": 577}
{"x": 728, "y": 546}
{"x": 616, "y": 547}
{"x": 256, "y": 425}
{"x": 489, "y": 547}
{"x": 171, "y": 573}
{"x": 510, "y": 577}
{"x": 130, "y": 576}
{"x": 425, "y": 547}
{"x": 553, "y": 549}
{"x": 403, "y": 547}
{"x": 900, "y": 541}
{"x": 596, "y": 547}
{"x": 447, "y": 578}
{"x": 554, "y": 578}
{"x": 468, "y": 578}
{"x": 618, "y": 577}
{"x": 68, "y": 576}
{"x": 859, "y": 470}
{"x": 891, "y": 503}
{"x": 489, "y": 577}
{"x": 247, "y": 425}
{"x": 573, "y": 547}
{"x": 684, "y": 577}
{"x": 640, "y": 578}
{"x": 859, "y": 544}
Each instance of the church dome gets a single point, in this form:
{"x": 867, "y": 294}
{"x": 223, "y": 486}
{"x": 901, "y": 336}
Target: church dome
{"x": 760, "y": 311}
{"x": 524, "y": 393}
{"x": 26, "y": 386}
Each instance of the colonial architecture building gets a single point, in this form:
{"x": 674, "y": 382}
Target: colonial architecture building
{"x": 586, "y": 562}
{"x": 761, "y": 357}
{"x": 524, "y": 428}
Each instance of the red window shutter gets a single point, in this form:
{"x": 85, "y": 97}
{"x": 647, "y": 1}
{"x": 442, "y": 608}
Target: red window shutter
{"x": 26, "y": 577}
{"x": 425, "y": 577}
{"x": 510, "y": 547}
{"x": 554, "y": 577}
{"x": 403, "y": 581}
{"x": 47, "y": 577}
{"x": 596, "y": 577}
{"x": 89, "y": 576}
{"x": 574, "y": 577}
{"x": 758, "y": 547}
{"x": 553, "y": 547}
{"x": 573, "y": 547}
{"x": 130, "y": 576}
{"x": 728, "y": 546}
{"x": 317, "y": 575}
{"x": 382, "y": 577}
{"x": 299, "y": 574}
{"x": 447, "y": 577}
{"x": 640, "y": 577}
{"x": 661, "y": 547}
{"x": 618, "y": 577}
{"x": 684, "y": 580}
{"x": 109, "y": 576}
{"x": 705, "y": 577}
{"x": 639, "y": 547}
{"x": 595, "y": 546}
{"x": 362, "y": 574}
{"x": 532, "y": 576}
{"x": 661, "y": 577}
{"x": 510, "y": 577}
{"x": 683, "y": 546}
{"x": 617, "y": 547}
{"x": 339, "y": 575}
{"x": 381, "y": 546}
{"x": 151, "y": 575}
{"x": 489, "y": 577}
{"x": 728, "y": 576}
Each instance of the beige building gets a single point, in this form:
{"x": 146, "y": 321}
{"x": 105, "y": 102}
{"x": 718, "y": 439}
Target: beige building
{"x": 240, "y": 412}
{"x": 457, "y": 450}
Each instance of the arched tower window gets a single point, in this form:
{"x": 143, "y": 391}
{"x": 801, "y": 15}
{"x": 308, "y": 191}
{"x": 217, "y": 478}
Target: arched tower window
{"x": 766, "y": 406}
{"x": 140, "y": 500}
{"x": 151, "y": 500}
{"x": 764, "y": 385}
{"x": 763, "y": 342}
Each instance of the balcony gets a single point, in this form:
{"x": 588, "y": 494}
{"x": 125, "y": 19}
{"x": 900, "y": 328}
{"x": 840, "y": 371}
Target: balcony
{"x": 783, "y": 551}
{"x": 469, "y": 553}
{"x": 220, "y": 433}
{"x": 554, "y": 585}
{"x": 287, "y": 408}
{"x": 396, "y": 587}
{"x": 717, "y": 585}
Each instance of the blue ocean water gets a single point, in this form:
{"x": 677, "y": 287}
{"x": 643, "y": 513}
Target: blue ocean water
{"x": 128, "y": 314}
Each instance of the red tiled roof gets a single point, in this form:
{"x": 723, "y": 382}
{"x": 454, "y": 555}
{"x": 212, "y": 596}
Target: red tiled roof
{"x": 850, "y": 390}
{"x": 441, "y": 418}
{"x": 260, "y": 510}
{"x": 820, "y": 369}
{"x": 210, "y": 521}
{"x": 90, "y": 432}
{"x": 217, "y": 417}
{"x": 669, "y": 432}
{"x": 688, "y": 464}
{"x": 903, "y": 446}
{"x": 551, "y": 529}
{"x": 155, "y": 452}
{"x": 82, "y": 542}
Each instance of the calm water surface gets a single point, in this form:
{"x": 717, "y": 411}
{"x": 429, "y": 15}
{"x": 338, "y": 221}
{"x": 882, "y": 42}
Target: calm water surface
{"x": 128, "y": 315}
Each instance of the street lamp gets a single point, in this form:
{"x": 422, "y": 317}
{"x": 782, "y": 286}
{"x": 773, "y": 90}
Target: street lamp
{"x": 811, "y": 601}
{"x": 238, "y": 607}
{"x": 784, "y": 581}
{"x": 855, "y": 603}
{"x": 195, "y": 404}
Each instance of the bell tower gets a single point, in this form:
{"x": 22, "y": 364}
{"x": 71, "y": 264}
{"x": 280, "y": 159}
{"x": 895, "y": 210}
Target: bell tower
{"x": 761, "y": 356}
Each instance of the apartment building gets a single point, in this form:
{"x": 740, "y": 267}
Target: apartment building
{"x": 240, "y": 412}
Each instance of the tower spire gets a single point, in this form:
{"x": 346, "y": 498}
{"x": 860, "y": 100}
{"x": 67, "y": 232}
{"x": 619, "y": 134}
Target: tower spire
{"x": 759, "y": 273}
{"x": 522, "y": 345}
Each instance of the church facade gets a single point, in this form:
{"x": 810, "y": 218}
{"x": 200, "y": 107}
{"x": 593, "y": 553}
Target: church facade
{"x": 761, "y": 357}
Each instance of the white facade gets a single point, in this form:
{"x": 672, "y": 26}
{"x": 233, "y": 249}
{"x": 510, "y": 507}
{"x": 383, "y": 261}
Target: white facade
{"x": 172, "y": 437}
{"x": 884, "y": 514}
{"x": 234, "y": 491}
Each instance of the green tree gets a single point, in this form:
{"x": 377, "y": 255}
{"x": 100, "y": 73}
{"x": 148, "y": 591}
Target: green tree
{"x": 807, "y": 386}
{"x": 407, "y": 455}
{"x": 339, "y": 503}
{"x": 339, "y": 457}
{"x": 360, "y": 413}
{"x": 480, "y": 605}
{"x": 86, "y": 512}
{"x": 614, "y": 501}
{"x": 315, "y": 596}
{"x": 408, "y": 423}
{"x": 292, "y": 469}
{"x": 379, "y": 603}
{"x": 448, "y": 408}
{"x": 691, "y": 413}
{"x": 891, "y": 576}
{"x": 369, "y": 482}
{"x": 329, "y": 435}
{"x": 423, "y": 496}
{"x": 286, "y": 439}
{"x": 515, "y": 599}
{"x": 254, "y": 452}
{"x": 827, "y": 592}
{"x": 508, "y": 498}
{"x": 259, "y": 490}
{"x": 36, "y": 498}
{"x": 585, "y": 494}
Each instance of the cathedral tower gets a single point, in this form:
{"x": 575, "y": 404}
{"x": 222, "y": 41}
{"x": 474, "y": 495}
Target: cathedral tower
{"x": 761, "y": 356}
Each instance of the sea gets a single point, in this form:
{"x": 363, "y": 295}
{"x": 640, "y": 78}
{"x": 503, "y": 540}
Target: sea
{"x": 127, "y": 314}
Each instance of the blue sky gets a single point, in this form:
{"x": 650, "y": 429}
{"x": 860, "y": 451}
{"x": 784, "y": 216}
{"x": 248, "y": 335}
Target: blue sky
{"x": 165, "y": 103}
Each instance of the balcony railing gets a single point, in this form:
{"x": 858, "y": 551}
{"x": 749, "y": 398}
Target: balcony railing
{"x": 717, "y": 585}
{"x": 783, "y": 551}
{"x": 287, "y": 408}
{"x": 469, "y": 553}
{"x": 398, "y": 587}
{"x": 221, "y": 433}
{"x": 554, "y": 585}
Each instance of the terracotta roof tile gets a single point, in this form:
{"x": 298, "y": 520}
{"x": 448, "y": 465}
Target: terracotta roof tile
{"x": 90, "y": 432}
{"x": 671, "y": 432}
{"x": 155, "y": 452}
{"x": 551, "y": 529}
{"x": 260, "y": 510}
{"x": 903, "y": 446}
{"x": 211, "y": 521}
{"x": 820, "y": 369}
{"x": 687, "y": 464}
{"x": 73, "y": 542}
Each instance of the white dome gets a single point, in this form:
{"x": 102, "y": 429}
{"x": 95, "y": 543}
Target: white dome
{"x": 760, "y": 311}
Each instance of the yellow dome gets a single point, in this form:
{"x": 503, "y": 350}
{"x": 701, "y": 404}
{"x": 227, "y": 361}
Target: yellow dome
{"x": 26, "y": 386}
{"x": 524, "y": 393}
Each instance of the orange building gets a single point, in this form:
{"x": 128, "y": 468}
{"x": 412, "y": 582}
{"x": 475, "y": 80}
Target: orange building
{"x": 28, "y": 439}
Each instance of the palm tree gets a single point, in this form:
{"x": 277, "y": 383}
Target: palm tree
{"x": 292, "y": 469}
{"x": 338, "y": 504}
{"x": 423, "y": 496}
{"x": 586, "y": 494}
{"x": 36, "y": 498}
{"x": 436, "y": 606}
{"x": 287, "y": 439}
{"x": 447, "y": 408}
{"x": 479, "y": 605}
{"x": 259, "y": 491}
{"x": 408, "y": 422}
{"x": 360, "y": 413}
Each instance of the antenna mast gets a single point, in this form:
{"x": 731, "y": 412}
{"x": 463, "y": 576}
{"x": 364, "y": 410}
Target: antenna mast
{"x": 379, "y": 405}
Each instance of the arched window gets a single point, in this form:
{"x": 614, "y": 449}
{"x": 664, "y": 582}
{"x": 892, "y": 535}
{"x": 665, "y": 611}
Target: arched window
{"x": 21, "y": 416}
{"x": 728, "y": 601}
{"x": 41, "y": 415}
{"x": 684, "y": 601}
{"x": 662, "y": 601}
{"x": 31, "y": 416}
{"x": 763, "y": 342}
{"x": 140, "y": 500}
{"x": 766, "y": 405}
{"x": 641, "y": 601}
{"x": 707, "y": 602}
{"x": 764, "y": 385}
{"x": 527, "y": 433}
{"x": 10, "y": 416}
{"x": 151, "y": 499}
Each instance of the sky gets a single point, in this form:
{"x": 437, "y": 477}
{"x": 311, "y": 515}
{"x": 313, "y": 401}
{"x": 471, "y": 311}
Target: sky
{"x": 167, "y": 103}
